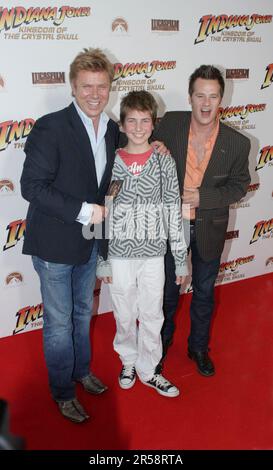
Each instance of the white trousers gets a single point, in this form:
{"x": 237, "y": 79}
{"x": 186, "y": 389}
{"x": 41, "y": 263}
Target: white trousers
{"x": 137, "y": 294}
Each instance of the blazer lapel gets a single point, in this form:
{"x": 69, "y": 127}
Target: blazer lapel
{"x": 83, "y": 143}
{"x": 110, "y": 149}
{"x": 182, "y": 139}
{"x": 217, "y": 152}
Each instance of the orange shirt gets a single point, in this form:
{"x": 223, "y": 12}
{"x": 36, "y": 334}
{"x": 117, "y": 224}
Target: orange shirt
{"x": 195, "y": 171}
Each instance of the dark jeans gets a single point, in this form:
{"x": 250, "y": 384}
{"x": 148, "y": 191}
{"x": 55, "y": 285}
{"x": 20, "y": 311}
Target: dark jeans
{"x": 204, "y": 274}
{"x": 67, "y": 293}
{"x": 170, "y": 299}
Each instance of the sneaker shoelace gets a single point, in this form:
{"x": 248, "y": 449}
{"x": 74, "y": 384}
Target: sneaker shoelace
{"x": 159, "y": 380}
{"x": 128, "y": 371}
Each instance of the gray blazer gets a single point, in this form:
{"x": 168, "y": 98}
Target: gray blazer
{"x": 225, "y": 181}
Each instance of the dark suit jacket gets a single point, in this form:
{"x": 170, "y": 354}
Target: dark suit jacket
{"x": 58, "y": 175}
{"x": 225, "y": 180}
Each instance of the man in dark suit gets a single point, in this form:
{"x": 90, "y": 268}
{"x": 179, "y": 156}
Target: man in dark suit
{"x": 67, "y": 170}
{"x": 212, "y": 167}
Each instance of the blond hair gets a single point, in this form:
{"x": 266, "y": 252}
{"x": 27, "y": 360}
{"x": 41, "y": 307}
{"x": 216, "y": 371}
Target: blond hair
{"x": 93, "y": 60}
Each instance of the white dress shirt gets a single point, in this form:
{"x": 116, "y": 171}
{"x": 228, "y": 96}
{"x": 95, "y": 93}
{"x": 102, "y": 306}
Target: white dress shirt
{"x": 99, "y": 151}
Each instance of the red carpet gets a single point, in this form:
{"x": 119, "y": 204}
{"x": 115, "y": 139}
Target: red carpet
{"x": 232, "y": 410}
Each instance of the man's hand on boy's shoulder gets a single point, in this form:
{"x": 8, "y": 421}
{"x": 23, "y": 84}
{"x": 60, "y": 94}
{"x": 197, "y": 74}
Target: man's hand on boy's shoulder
{"x": 160, "y": 147}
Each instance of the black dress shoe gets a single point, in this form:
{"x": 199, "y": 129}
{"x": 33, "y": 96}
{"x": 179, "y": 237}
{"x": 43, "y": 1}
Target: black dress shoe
{"x": 73, "y": 410}
{"x": 204, "y": 363}
{"x": 93, "y": 385}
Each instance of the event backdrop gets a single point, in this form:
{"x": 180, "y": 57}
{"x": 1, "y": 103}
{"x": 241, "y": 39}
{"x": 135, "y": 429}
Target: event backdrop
{"x": 154, "y": 46}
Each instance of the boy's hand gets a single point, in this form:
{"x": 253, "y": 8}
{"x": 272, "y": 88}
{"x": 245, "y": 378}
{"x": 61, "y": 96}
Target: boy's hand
{"x": 160, "y": 147}
{"x": 107, "y": 279}
{"x": 191, "y": 196}
{"x": 180, "y": 280}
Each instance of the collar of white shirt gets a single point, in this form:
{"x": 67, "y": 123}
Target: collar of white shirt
{"x": 88, "y": 124}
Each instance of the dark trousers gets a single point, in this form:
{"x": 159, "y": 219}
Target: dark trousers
{"x": 204, "y": 274}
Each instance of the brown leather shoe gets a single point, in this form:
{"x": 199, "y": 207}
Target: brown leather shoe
{"x": 73, "y": 410}
{"x": 93, "y": 385}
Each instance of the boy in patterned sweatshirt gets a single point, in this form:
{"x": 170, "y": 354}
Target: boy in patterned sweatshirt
{"x": 145, "y": 212}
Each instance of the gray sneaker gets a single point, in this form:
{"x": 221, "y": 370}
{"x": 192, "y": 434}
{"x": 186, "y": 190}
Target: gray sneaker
{"x": 73, "y": 410}
{"x": 92, "y": 384}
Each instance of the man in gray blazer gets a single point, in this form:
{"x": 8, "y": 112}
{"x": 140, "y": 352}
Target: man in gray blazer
{"x": 212, "y": 167}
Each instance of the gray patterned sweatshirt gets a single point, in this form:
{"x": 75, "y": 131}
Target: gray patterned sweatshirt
{"x": 145, "y": 213}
